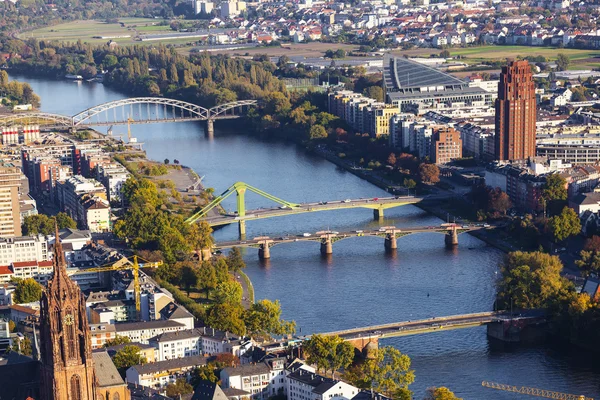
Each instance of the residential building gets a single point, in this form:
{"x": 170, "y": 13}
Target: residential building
{"x": 159, "y": 374}
{"x": 10, "y": 216}
{"x": 515, "y": 113}
{"x": 41, "y": 271}
{"x": 306, "y": 385}
{"x": 215, "y": 341}
{"x": 6, "y": 289}
{"x": 178, "y": 344}
{"x": 146, "y": 350}
{"x": 95, "y": 212}
{"x": 85, "y": 200}
{"x": 101, "y": 333}
{"x": 446, "y": 145}
{"x": 262, "y": 380}
{"x": 113, "y": 176}
{"x": 143, "y": 331}
{"x": 23, "y": 248}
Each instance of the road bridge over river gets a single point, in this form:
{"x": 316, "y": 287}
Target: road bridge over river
{"x": 390, "y": 234}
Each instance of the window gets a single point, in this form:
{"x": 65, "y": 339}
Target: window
{"x": 75, "y": 388}
{"x": 116, "y": 396}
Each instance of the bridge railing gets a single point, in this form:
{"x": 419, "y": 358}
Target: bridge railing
{"x": 394, "y": 324}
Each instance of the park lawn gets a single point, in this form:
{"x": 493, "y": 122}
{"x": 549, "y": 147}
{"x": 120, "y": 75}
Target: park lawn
{"x": 487, "y": 53}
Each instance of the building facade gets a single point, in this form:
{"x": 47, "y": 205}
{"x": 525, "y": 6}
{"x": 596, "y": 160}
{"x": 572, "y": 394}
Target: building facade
{"x": 10, "y": 215}
{"x": 515, "y": 113}
{"x": 446, "y": 145}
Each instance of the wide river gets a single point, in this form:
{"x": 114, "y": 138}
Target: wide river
{"x": 359, "y": 284}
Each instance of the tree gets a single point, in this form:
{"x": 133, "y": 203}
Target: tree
{"x": 27, "y": 291}
{"x": 445, "y": 54}
{"x": 391, "y": 160}
{"x": 562, "y": 62}
{"x": 64, "y": 221}
{"x": 227, "y": 317}
{"x": 317, "y": 132}
{"x": 498, "y": 201}
{"x": 564, "y": 225}
{"x": 329, "y": 353}
{"x": 128, "y": 356}
{"x": 223, "y": 360}
{"x": 554, "y": 193}
{"x": 374, "y": 92}
{"x": 166, "y": 161}
{"x": 117, "y": 340}
{"x": 592, "y": 244}
{"x": 189, "y": 277}
{"x": 235, "y": 261}
{"x": 200, "y": 237}
{"x": 11, "y": 325}
{"x": 409, "y": 183}
{"x": 589, "y": 262}
{"x": 207, "y": 277}
{"x": 264, "y": 318}
{"x": 180, "y": 387}
{"x": 283, "y": 61}
{"x": 529, "y": 280}
{"x": 440, "y": 393}
{"x": 429, "y": 173}
{"x": 228, "y": 292}
{"x": 203, "y": 373}
{"x": 387, "y": 372}
{"x": 23, "y": 346}
{"x": 42, "y": 224}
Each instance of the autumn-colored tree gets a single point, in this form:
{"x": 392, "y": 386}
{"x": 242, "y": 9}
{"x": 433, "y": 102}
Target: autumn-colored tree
{"x": 391, "y": 160}
{"x": 264, "y": 318}
{"x": 564, "y": 225}
{"x": 429, "y": 173}
{"x": 440, "y": 393}
{"x": 329, "y": 353}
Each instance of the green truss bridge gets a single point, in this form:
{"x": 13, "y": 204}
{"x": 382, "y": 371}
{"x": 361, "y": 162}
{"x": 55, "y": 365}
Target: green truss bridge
{"x": 241, "y": 215}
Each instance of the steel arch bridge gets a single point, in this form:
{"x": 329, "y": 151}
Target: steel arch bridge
{"x": 136, "y": 110}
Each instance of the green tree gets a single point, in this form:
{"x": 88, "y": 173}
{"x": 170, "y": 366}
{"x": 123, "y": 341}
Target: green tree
{"x": 207, "y": 277}
{"x": 235, "y": 261}
{"x": 27, "y": 291}
{"x": 440, "y": 393}
{"x": 409, "y": 183}
{"x": 227, "y": 317}
{"x": 228, "y": 292}
{"x": 554, "y": 193}
{"x": 564, "y": 225}
{"x": 589, "y": 262}
{"x": 200, "y": 237}
{"x": 387, "y": 371}
{"x": 11, "y": 325}
{"x": 37, "y": 224}
{"x": 203, "y": 373}
{"x": 64, "y": 221}
{"x": 117, "y": 340}
{"x": 264, "y": 318}
{"x": 180, "y": 387}
{"x": 445, "y": 54}
{"x": 374, "y": 92}
{"x": 189, "y": 277}
{"x": 529, "y": 280}
{"x": 317, "y": 132}
{"x": 23, "y": 346}
{"x": 222, "y": 271}
{"x": 329, "y": 353}
{"x": 562, "y": 62}
{"x": 128, "y": 356}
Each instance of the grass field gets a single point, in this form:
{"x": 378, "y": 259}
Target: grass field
{"x": 86, "y": 30}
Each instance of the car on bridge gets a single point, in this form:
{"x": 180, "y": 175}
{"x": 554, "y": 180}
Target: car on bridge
{"x": 347, "y": 201}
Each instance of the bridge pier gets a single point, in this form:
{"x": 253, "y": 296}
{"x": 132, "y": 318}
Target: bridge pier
{"x": 242, "y": 226}
{"x": 378, "y": 213}
{"x": 326, "y": 246}
{"x": 390, "y": 242}
{"x": 451, "y": 238}
{"x": 264, "y": 251}
{"x": 210, "y": 128}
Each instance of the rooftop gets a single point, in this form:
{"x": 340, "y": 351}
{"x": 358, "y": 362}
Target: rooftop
{"x": 137, "y": 326}
{"x": 178, "y": 335}
{"x": 106, "y": 372}
{"x": 169, "y": 365}
{"x": 248, "y": 369}
{"x": 400, "y": 74}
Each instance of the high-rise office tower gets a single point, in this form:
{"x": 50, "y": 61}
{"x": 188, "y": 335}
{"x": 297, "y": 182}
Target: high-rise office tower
{"x": 10, "y": 216}
{"x": 515, "y": 113}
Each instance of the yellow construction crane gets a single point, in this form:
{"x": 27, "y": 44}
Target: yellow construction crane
{"x": 122, "y": 264}
{"x": 548, "y": 394}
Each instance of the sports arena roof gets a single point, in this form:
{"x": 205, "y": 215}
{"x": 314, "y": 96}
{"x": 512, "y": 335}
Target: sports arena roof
{"x": 404, "y": 75}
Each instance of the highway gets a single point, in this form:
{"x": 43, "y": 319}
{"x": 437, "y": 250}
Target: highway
{"x": 335, "y": 236}
{"x": 372, "y": 203}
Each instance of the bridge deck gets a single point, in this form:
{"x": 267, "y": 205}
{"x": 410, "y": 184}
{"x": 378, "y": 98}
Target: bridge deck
{"x": 336, "y": 236}
{"x": 407, "y": 328}
{"x": 380, "y": 203}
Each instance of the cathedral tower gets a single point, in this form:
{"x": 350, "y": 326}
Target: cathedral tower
{"x": 67, "y": 371}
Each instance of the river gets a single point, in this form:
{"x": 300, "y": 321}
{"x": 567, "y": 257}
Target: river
{"x": 359, "y": 284}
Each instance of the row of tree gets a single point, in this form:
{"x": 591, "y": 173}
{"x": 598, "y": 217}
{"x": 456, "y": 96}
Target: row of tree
{"x": 15, "y": 92}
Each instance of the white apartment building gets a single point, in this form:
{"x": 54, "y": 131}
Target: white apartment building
{"x": 179, "y": 344}
{"x": 41, "y": 271}
{"x": 23, "y": 248}
{"x": 215, "y": 341}
{"x": 306, "y": 385}
{"x": 159, "y": 374}
{"x": 143, "y": 331}
{"x": 253, "y": 378}
{"x": 113, "y": 176}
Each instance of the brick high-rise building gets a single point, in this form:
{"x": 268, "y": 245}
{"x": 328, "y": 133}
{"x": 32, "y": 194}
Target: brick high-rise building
{"x": 515, "y": 113}
{"x": 446, "y": 145}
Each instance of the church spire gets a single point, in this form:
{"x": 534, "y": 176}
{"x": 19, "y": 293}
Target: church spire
{"x": 59, "y": 256}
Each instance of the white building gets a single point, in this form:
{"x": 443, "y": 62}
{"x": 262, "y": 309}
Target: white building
{"x": 143, "y": 331}
{"x": 24, "y": 248}
{"x": 159, "y": 374}
{"x": 306, "y": 385}
{"x": 178, "y": 344}
{"x": 203, "y": 7}
{"x": 41, "y": 271}
{"x": 215, "y": 341}
{"x": 113, "y": 176}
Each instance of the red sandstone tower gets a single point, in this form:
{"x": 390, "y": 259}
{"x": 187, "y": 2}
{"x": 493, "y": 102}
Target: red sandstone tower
{"x": 515, "y": 113}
